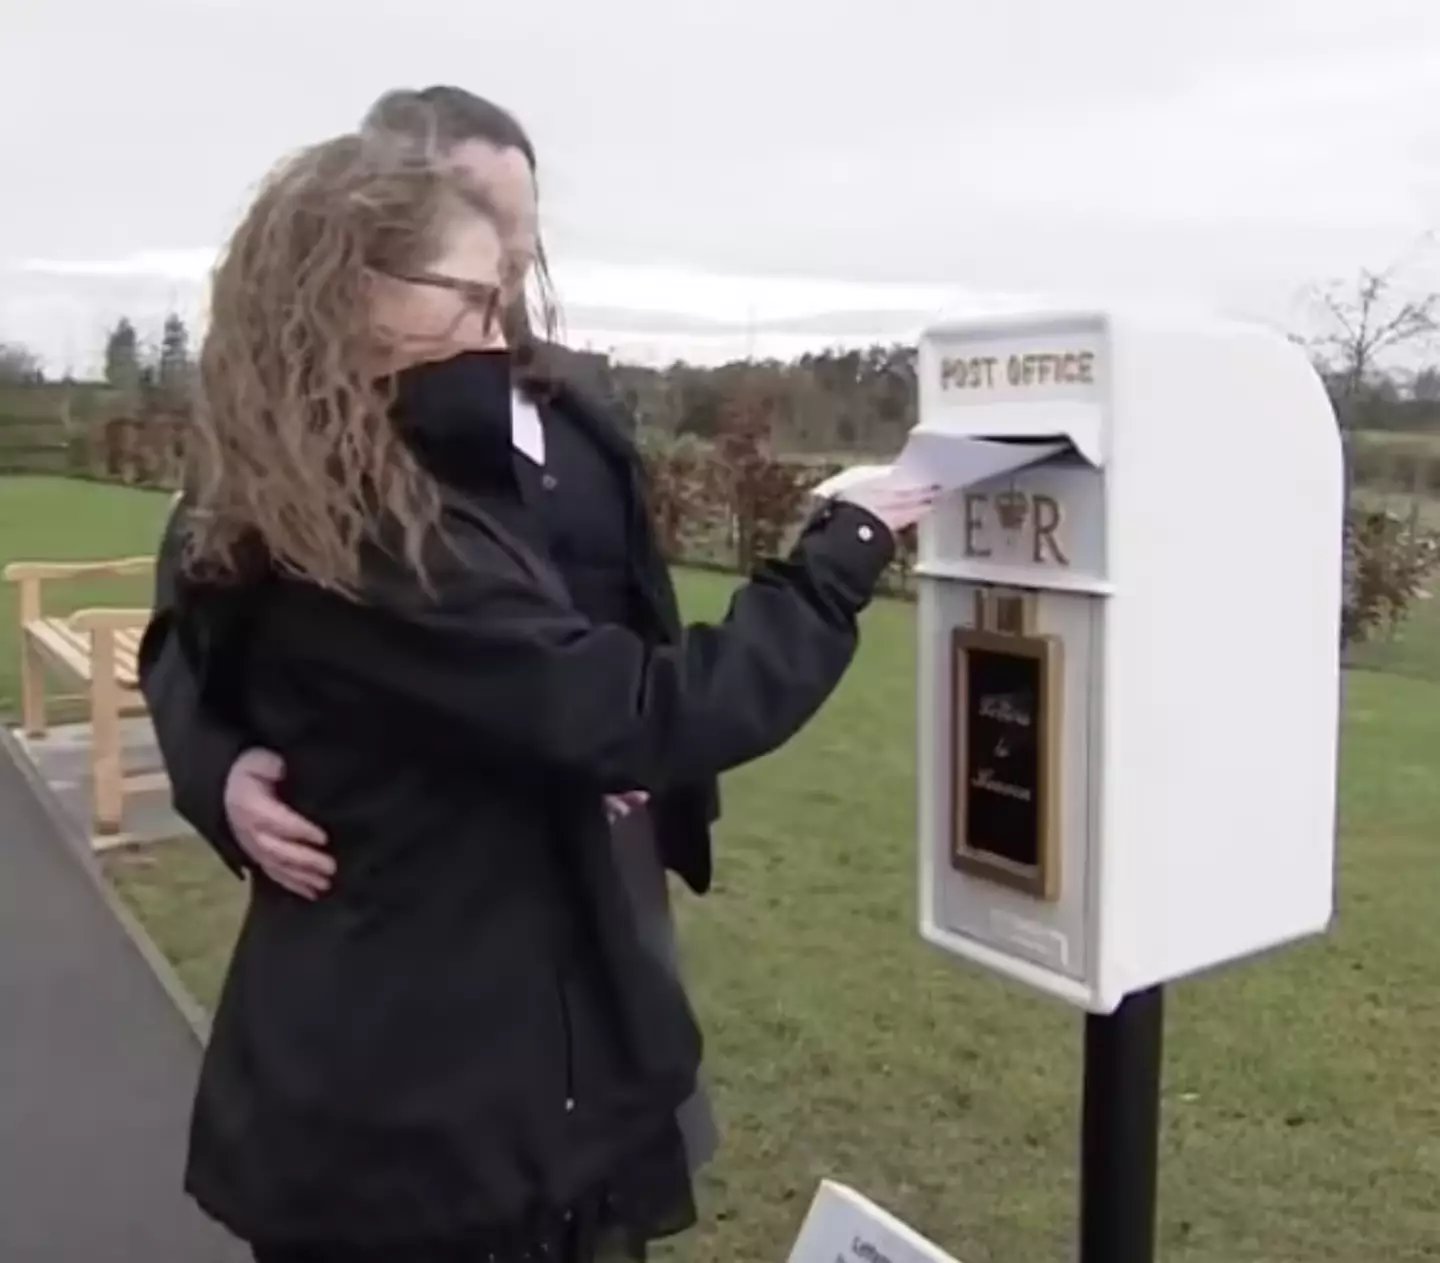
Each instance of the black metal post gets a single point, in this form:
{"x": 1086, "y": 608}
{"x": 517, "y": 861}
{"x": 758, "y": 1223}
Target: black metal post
{"x": 1120, "y": 1130}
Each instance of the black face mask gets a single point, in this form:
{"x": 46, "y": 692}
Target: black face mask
{"x": 455, "y": 416}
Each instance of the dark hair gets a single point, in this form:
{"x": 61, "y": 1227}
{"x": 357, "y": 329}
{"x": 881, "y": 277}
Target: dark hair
{"x": 451, "y": 116}
{"x": 444, "y": 116}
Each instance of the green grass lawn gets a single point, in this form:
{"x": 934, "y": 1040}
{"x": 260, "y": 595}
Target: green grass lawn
{"x": 1301, "y": 1118}
{"x": 1413, "y": 649}
{"x": 59, "y": 519}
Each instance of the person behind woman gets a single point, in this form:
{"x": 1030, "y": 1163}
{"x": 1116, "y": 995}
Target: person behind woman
{"x": 466, "y": 1050}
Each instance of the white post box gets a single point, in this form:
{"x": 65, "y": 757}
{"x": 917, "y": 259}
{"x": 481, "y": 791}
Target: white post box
{"x": 1129, "y": 651}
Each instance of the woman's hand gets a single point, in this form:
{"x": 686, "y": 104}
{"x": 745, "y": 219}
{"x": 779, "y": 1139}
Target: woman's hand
{"x": 618, "y": 806}
{"x": 897, "y": 500}
{"x": 280, "y": 842}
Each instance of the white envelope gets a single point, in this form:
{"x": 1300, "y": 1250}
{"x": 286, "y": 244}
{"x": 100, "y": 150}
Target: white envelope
{"x": 944, "y": 460}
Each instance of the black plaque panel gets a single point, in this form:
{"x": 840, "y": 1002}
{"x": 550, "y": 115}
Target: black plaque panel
{"x": 1002, "y": 756}
{"x": 1006, "y": 725}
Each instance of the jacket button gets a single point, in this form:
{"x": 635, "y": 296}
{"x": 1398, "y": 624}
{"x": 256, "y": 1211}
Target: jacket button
{"x": 569, "y": 1104}
{"x": 866, "y": 534}
{"x": 548, "y": 482}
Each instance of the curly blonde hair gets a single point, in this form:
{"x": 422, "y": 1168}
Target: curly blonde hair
{"x": 296, "y": 454}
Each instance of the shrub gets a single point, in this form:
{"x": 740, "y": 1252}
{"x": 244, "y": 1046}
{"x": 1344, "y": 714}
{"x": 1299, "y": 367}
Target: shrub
{"x": 146, "y": 451}
{"x": 762, "y": 495}
{"x": 676, "y": 485}
{"x": 1388, "y": 559}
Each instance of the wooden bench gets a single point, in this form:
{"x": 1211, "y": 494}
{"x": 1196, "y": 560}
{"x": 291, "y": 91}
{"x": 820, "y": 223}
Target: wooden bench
{"x": 98, "y": 648}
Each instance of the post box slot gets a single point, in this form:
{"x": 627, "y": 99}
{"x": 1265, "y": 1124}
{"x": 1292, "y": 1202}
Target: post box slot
{"x": 1070, "y": 455}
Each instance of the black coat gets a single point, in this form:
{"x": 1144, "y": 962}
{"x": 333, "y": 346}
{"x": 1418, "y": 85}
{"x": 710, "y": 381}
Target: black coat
{"x": 466, "y": 1030}
{"x": 602, "y": 542}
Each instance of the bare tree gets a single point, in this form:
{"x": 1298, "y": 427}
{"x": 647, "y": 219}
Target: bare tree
{"x": 1365, "y": 319}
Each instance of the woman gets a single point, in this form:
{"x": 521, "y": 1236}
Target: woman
{"x": 465, "y": 1050}
{"x": 586, "y": 488}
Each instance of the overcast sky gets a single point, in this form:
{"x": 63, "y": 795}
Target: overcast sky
{"x": 706, "y": 164}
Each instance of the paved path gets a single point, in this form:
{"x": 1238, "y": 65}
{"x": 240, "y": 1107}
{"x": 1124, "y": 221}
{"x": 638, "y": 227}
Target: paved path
{"x": 97, "y": 1063}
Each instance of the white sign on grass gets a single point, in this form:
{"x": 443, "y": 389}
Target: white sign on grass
{"x": 843, "y": 1227}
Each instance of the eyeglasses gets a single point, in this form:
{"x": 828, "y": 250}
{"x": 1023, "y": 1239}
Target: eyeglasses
{"x": 480, "y": 295}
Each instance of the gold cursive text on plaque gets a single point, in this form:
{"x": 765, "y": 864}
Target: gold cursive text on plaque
{"x": 987, "y": 780}
{"x": 1002, "y": 708}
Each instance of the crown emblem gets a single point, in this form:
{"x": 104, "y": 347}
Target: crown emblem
{"x": 1012, "y": 507}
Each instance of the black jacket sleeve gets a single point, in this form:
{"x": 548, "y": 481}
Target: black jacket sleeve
{"x": 197, "y": 747}
{"x": 532, "y": 683}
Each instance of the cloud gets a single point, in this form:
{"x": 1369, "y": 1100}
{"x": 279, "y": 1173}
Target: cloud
{"x": 637, "y": 291}
{"x": 165, "y": 265}
{"x": 650, "y": 314}
{"x": 1255, "y": 142}
{"x": 728, "y": 161}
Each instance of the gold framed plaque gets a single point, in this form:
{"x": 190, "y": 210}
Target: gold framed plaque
{"x": 1006, "y": 729}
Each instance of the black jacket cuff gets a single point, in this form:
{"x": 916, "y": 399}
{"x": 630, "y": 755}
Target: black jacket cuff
{"x": 852, "y": 542}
